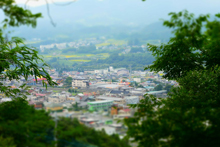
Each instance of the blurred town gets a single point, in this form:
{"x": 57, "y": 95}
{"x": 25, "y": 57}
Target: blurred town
{"x": 98, "y": 98}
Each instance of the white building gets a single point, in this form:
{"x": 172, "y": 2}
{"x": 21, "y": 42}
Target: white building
{"x": 138, "y": 80}
{"x": 132, "y": 100}
{"x": 80, "y": 82}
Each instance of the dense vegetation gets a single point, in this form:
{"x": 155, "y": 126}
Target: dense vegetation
{"x": 137, "y": 61}
{"x": 72, "y": 131}
{"x": 24, "y": 125}
{"x": 189, "y": 116}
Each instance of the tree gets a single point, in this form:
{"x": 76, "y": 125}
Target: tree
{"x": 76, "y": 107}
{"x": 22, "y": 125}
{"x": 136, "y": 50}
{"x": 168, "y": 87}
{"x": 16, "y": 58}
{"x": 6, "y": 142}
{"x": 140, "y": 86}
{"x": 68, "y": 81}
{"x": 158, "y": 87}
{"x": 189, "y": 116}
{"x": 190, "y": 48}
{"x": 72, "y": 133}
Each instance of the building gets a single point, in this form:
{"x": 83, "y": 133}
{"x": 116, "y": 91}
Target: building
{"x": 54, "y": 107}
{"x": 116, "y": 100}
{"x": 57, "y": 98}
{"x": 75, "y": 99}
{"x": 80, "y": 82}
{"x": 138, "y": 80}
{"x": 123, "y": 72}
{"x": 157, "y": 92}
{"x": 6, "y": 100}
{"x": 108, "y": 130}
{"x": 114, "y": 110}
{"x": 100, "y": 105}
{"x": 132, "y": 100}
{"x": 38, "y": 105}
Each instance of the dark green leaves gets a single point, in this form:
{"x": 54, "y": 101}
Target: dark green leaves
{"x": 186, "y": 50}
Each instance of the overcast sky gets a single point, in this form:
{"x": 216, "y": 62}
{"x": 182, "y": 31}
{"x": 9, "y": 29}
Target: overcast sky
{"x": 177, "y": 3}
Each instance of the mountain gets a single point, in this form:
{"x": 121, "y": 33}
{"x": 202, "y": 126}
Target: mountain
{"x": 109, "y": 17}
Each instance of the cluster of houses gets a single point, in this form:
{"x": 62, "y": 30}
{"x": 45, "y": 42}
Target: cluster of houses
{"x": 74, "y": 44}
{"x": 104, "y": 95}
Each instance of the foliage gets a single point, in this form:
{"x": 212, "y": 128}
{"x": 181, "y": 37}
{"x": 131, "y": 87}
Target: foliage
{"x": 136, "y": 50}
{"x": 68, "y": 81}
{"x": 133, "y": 84}
{"x": 138, "y": 61}
{"x": 20, "y": 123}
{"x": 191, "y": 48}
{"x": 86, "y": 49}
{"x": 6, "y": 142}
{"x": 72, "y": 131}
{"x": 158, "y": 87}
{"x": 167, "y": 87}
{"x": 73, "y": 90}
{"x": 16, "y": 58}
{"x": 189, "y": 116}
{"x": 133, "y": 42}
{"x": 16, "y": 15}
{"x": 25, "y": 126}
{"x": 76, "y": 107}
{"x": 69, "y": 50}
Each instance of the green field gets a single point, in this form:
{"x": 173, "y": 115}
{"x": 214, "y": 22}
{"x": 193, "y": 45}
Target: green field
{"x": 112, "y": 41}
{"x": 76, "y": 58}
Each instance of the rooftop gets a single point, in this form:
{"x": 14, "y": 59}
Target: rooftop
{"x": 98, "y": 102}
{"x": 110, "y": 98}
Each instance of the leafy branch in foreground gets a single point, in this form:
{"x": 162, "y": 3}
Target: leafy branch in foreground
{"x": 18, "y": 60}
{"x": 191, "y": 48}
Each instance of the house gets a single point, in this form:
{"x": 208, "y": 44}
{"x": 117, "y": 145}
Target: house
{"x": 88, "y": 121}
{"x": 38, "y": 105}
{"x": 108, "y": 130}
{"x": 57, "y": 98}
{"x": 114, "y": 110}
{"x": 132, "y": 100}
{"x": 118, "y": 92}
{"x": 80, "y": 82}
{"x": 53, "y": 107}
{"x": 75, "y": 99}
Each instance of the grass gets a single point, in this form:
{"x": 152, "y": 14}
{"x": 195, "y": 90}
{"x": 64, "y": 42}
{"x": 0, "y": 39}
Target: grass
{"x": 102, "y": 44}
{"x": 112, "y": 41}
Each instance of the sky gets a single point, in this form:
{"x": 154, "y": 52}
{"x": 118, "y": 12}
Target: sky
{"x": 35, "y": 3}
{"x": 178, "y": 3}
{"x": 132, "y": 13}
